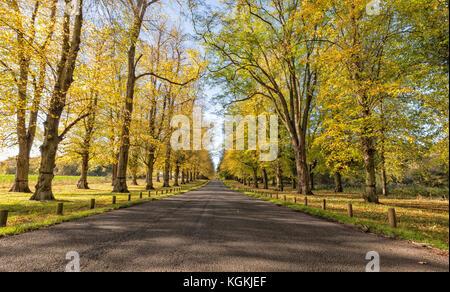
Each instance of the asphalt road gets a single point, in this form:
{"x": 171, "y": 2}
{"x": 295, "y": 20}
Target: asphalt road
{"x": 210, "y": 230}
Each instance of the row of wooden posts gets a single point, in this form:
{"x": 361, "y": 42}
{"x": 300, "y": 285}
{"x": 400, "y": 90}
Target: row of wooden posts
{"x": 391, "y": 211}
{"x": 60, "y": 206}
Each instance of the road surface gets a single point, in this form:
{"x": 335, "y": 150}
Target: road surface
{"x": 212, "y": 229}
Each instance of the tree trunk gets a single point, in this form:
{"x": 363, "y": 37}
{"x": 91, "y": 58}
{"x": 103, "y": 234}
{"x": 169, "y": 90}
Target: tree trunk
{"x": 48, "y": 157}
{"x": 177, "y": 176}
{"x": 149, "y": 177}
{"x": 369, "y": 152}
{"x": 274, "y": 181}
{"x": 83, "y": 183}
{"x": 255, "y": 178}
{"x": 265, "y": 179}
{"x": 384, "y": 182}
{"x": 64, "y": 79}
{"x": 21, "y": 184}
{"x": 382, "y": 153}
{"x": 183, "y": 177}
{"x": 23, "y": 160}
{"x": 121, "y": 182}
{"x": 86, "y": 148}
{"x": 338, "y": 183}
{"x": 302, "y": 169}
{"x": 280, "y": 185}
{"x": 167, "y": 168}
{"x": 114, "y": 174}
{"x": 134, "y": 181}
{"x": 158, "y": 176}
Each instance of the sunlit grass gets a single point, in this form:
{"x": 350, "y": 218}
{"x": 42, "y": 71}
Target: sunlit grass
{"x": 421, "y": 220}
{"x": 6, "y": 181}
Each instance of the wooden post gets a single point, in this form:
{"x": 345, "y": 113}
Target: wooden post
{"x": 129, "y": 198}
{"x": 114, "y": 200}
{"x": 156, "y": 193}
{"x": 149, "y": 194}
{"x": 3, "y": 218}
{"x": 324, "y": 204}
{"x": 306, "y": 201}
{"x": 295, "y": 200}
{"x": 140, "y": 196}
{"x": 60, "y": 209}
{"x": 392, "y": 218}
{"x": 92, "y": 204}
{"x": 350, "y": 210}
{"x": 285, "y": 198}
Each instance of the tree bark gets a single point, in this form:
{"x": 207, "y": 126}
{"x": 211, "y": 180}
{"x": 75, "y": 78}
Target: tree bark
{"x": 150, "y": 166}
{"x": 26, "y": 135}
{"x": 121, "y": 181}
{"x": 64, "y": 80}
{"x": 167, "y": 167}
{"x": 177, "y": 176}
{"x": 89, "y": 130}
{"x": 302, "y": 167}
{"x": 134, "y": 181}
{"x": 382, "y": 153}
{"x": 183, "y": 177}
{"x": 114, "y": 174}
{"x": 311, "y": 174}
{"x": 338, "y": 183}
{"x": 83, "y": 183}
{"x": 265, "y": 179}
{"x": 280, "y": 185}
{"x": 21, "y": 184}
{"x": 255, "y": 178}
{"x": 369, "y": 152}
{"x": 384, "y": 181}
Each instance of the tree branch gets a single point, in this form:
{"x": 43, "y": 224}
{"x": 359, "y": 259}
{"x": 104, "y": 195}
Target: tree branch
{"x": 69, "y": 127}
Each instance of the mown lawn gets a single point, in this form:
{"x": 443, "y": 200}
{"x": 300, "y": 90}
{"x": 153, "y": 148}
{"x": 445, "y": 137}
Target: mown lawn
{"x": 26, "y": 215}
{"x": 420, "y": 220}
{"x": 6, "y": 181}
